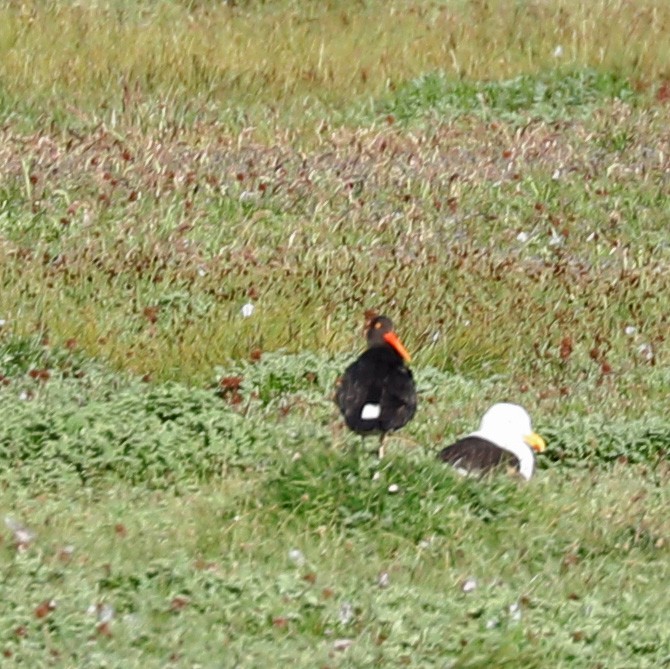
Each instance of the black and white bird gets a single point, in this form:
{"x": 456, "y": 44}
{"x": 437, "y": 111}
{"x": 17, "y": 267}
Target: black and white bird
{"x": 377, "y": 392}
{"x": 505, "y": 437}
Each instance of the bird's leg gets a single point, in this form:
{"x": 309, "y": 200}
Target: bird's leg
{"x": 380, "y": 451}
{"x": 362, "y": 444}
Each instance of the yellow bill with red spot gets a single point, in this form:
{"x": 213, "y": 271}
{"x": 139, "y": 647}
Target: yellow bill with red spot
{"x": 535, "y": 441}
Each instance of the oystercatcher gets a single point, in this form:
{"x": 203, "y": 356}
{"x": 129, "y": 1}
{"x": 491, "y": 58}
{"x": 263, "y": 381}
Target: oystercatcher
{"x": 377, "y": 393}
{"x": 505, "y": 436}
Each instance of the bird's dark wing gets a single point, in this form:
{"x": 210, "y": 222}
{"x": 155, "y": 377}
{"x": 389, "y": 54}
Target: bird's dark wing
{"x": 360, "y": 385}
{"x": 399, "y": 401}
{"x": 474, "y": 454}
{"x": 377, "y": 382}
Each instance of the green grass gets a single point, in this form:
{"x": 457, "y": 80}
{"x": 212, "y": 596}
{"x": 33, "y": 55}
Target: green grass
{"x": 176, "y": 485}
{"x": 167, "y": 522}
{"x": 202, "y": 559}
{"x": 215, "y": 577}
{"x": 550, "y": 96}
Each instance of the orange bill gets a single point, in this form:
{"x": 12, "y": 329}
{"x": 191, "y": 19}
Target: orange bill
{"x": 392, "y": 339}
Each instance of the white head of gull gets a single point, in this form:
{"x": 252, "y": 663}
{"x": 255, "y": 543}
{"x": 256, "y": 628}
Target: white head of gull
{"x": 509, "y": 426}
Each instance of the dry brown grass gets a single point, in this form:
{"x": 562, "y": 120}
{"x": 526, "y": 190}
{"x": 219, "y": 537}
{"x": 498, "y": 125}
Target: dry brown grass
{"x": 143, "y": 246}
{"x": 294, "y": 57}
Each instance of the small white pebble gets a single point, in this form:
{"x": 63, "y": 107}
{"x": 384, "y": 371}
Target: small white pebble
{"x": 556, "y": 175}
{"x": 202, "y": 271}
{"x": 384, "y": 580}
{"x": 24, "y": 396}
{"x": 630, "y": 330}
{"x": 23, "y": 539}
{"x": 557, "y": 52}
{"x": 297, "y": 557}
{"x": 515, "y": 612}
{"x": 248, "y": 196}
{"x": 469, "y": 585}
{"x": 3, "y": 322}
{"x": 490, "y": 624}
{"x": 22, "y": 535}
{"x": 393, "y": 488}
{"x": 346, "y": 614}
{"x": 646, "y": 351}
{"x": 376, "y": 476}
{"x": 522, "y": 237}
{"x": 556, "y": 239}
{"x": 247, "y": 310}
{"x": 105, "y": 613}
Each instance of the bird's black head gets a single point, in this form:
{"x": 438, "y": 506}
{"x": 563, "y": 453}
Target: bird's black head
{"x": 380, "y": 333}
{"x": 376, "y": 328}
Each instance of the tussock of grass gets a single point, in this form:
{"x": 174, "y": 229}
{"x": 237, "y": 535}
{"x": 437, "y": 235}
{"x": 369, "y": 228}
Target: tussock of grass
{"x": 64, "y": 419}
{"x": 334, "y": 489}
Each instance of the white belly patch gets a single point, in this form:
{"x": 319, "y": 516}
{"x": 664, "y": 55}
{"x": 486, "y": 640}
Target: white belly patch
{"x": 370, "y": 411}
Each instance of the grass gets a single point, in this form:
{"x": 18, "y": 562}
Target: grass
{"x": 147, "y": 259}
{"x": 217, "y": 577}
{"x": 176, "y": 486}
{"x": 245, "y": 57}
{"x": 546, "y": 96}
{"x": 158, "y": 523}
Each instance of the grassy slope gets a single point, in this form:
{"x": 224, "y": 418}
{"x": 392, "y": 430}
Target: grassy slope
{"x": 211, "y": 577}
{"x": 166, "y": 522}
{"x": 152, "y": 183}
